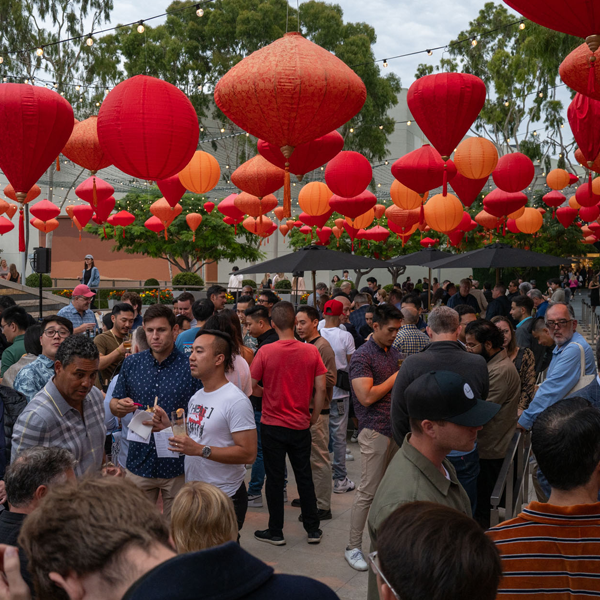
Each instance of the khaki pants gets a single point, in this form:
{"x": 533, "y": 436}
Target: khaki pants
{"x": 320, "y": 462}
{"x": 376, "y": 452}
{"x": 151, "y": 487}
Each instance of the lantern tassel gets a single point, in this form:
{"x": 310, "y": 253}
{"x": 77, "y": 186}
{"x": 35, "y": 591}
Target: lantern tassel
{"x": 21, "y": 230}
{"x": 592, "y": 75}
{"x": 422, "y": 215}
{"x": 80, "y": 235}
{"x": 94, "y": 196}
{"x": 123, "y": 232}
{"x": 235, "y": 228}
{"x": 58, "y": 163}
{"x": 445, "y": 183}
{"x": 72, "y": 222}
{"x": 194, "y": 237}
{"x": 287, "y": 192}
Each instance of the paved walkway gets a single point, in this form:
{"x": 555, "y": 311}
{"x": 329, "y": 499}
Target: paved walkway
{"x": 324, "y": 561}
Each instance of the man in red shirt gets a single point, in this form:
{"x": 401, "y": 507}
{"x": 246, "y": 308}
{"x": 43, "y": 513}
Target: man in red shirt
{"x": 289, "y": 370}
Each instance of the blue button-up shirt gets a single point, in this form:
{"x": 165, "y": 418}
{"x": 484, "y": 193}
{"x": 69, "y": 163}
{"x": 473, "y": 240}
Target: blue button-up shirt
{"x": 142, "y": 378}
{"x": 33, "y": 377}
{"x": 71, "y": 313}
{"x": 563, "y": 373}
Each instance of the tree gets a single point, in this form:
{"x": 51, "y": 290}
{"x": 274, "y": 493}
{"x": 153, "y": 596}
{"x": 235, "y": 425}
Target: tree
{"x": 520, "y": 70}
{"x": 215, "y": 240}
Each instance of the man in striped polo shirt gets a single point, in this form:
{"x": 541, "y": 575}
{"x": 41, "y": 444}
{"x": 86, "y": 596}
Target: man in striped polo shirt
{"x": 552, "y": 551}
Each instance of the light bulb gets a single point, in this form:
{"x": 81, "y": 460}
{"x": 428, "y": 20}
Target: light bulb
{"x": 1, "y": 60}
{"x": 541, "y": 94}
{"x": 55, "y": 84}
{"x": 378, "y": 185}
{"x": 506, "y": 103}
{"x": 522, "y": 26}
{"x": 141, "y": 28}
{"x": 385, "y": 62}
{"x": 222, "y": 129}
{"x": 201, "y": 128}
{"x": 535, "y": 133}
{"x": 89, "y": 41}
{"x": 409, "y": 123}
{"x": 199, "y": 12}
{"x": 429, "y": 52}
{"x": 381, "y": 127}
{"x": 473, "y": 42}
{"x": 40, "y": 52}
{"x": 97, "y": 103}
{"x": 77, "y": 87}
{"x": 351, "y": 129}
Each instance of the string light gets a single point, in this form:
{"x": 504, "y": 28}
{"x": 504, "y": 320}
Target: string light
{"x": 521, "y": 25}
{"x": 541, "y": 94}
{"x": 40, "y": 52}
{"x": 199, "y": 11}
{"x": 429, "y": 52}
{"x": 385, "y": 62}
{"x": 474, "y": 42}
{"x": 1, "y": 60}
{"x": 77, "y": 88}
{"x": 409, "y": 123}
{"x": 381, "y": 127}
{"x": 351, "y": 129}
{"x": 140, "y": 27}
{"x": 506, "y": 103}
{"x": 90, "y": 41}
{"x": 222, "y": 129}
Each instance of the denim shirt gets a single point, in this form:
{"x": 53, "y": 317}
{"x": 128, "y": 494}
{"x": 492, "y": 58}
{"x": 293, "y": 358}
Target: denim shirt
{"x": 33, "y": 377}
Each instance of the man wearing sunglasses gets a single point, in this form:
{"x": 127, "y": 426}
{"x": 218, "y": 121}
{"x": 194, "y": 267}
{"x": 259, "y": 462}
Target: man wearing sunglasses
{"x": 565, "y": 368}
{"x": 34, "y": 376}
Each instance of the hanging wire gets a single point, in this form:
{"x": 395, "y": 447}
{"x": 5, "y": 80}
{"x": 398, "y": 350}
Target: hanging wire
{"x": 298, "y": 13}
{"x": 287, "y": 15}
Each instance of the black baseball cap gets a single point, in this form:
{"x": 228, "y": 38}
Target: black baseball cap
{"x": 446, "y": 396}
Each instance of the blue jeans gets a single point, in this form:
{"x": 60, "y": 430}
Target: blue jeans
{"x": 338, "y": 425}
{"x": 467, "y": 471}
{"x": 257, "y": 479}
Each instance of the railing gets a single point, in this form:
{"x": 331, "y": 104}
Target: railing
{"x": 590, "y": 321}
{"x": 516, "y": 485}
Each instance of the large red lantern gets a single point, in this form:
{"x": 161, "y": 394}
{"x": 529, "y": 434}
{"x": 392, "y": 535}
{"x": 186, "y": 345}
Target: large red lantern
{"x": 589, "y": 213}
{"x": 258, "y": 177}
{"x": 584, "y": 117}
{"x": 45, "y": 210}
{"x": 467, "y": 189}
{"x": 148, "y": 128}
{"x": 94, "y": 190}
{"x": 288, "y": 93}
{"x": 306, "y": 157}
{"x": 35, "y": 124}
{"x": 585, "y": 195}
{"x": 500, "y": 203}
{"x": 566, "y": 215}
{"x": 423, "y": 169}
{"x": 514, "y": 172}
{"x": 348, "y": 174}
{"x": 353, "y": 207}
{"x": 83, "y": 147}
{"x": 315, "y": 221}
{"x": 554, "y": 199}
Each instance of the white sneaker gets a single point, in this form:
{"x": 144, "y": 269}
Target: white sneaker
{"x": 354, "y": 437}
{"x": 341, "y": 486}
{"x": 349, "y": 456}
{"x": 356, "y": 559}
{"x": 255, "y": 501}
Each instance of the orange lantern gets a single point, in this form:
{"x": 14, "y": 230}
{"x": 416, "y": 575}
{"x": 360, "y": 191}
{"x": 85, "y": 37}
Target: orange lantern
{"x": 379, "y": 210}
{"x": 314, "y": 198}
{"x": 167, "y": 214}
{"x": 69, "y": 211}
{"x": 362, "y": 221}
{"x": 339, "y": 223}
{"x": 558, "y": 179}
{"x": 45, "y": 226}
{"x": 278, "y": 210}
{"x": 11, "y": 210}
{"x": 283, "y": 229}
{"x": 259, "y": 226}
{"x": 518, "y": 213}
{"x": 32, "y": 194}
{"x": 253, "y": 206}
{"x": 290, "y": 223}
{"x": 531, "y": 221}
{"x": 258, "y": 177}
{"x": 476, "y": 158}
{"x": 193, "y": 220}
{"x": 586, "y": 231}
{"x": 404, "y": 220}
{"x": 444, "y": 213}
{"x": 486, "y": 220}
{"x": 573, "y": 203}
{"x": 3, "y": 206}
{"x": 201, "y": 174}
{"x": 406, "y": 198}
{"x": 591, "y": 239}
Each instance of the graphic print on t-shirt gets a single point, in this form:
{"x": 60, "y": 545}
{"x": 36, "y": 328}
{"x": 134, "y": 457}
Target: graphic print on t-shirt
{"x": 196, "y": 420}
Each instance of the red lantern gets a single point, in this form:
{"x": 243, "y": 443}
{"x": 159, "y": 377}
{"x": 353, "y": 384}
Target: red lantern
{"x": 32, "y": 194}
{"x": 193, "y": 220}
{"x": 423, "y": 169}
{"x": 312, "y": 221}
{"x": 172, "y": 189}
{"x": 377, "y": 234}
{"x": 403, "y": 219}
{"x": 595, "y": 228}
{"x": 258, "y": 177}
{"x": 228, "y": 208}
{"x": 306, "y": 157}
{"x": 429, "y": 242}
{"x": 3, "y": 206}
{"x": 104, "y": 209}
{"x": 154, "y": 224}
{"x": 324, "y": 234}
{"x": 337, "y": 231}
{"x": 83, "y": 147}
{"x": 379, "y": 210}
{"x": 511, "y": 225}
{"x": 11, "y": 210}
{"x": 353, "y": 207}
{"x": 283, "y": 229}
{"x": 465, "y": 222}
{"x": 94, "y": 190}
{"x": 123, "y": 219}
{"x": 83, "y": 214}
{"x": 348, "y": 174}
{"x": 514, "y": 172}
{"x": 306, "y": 230}
{"x": 500, "y": 203}
{"x": 589, "y": 213}
{"x": 209, "y": 207}
{"x": 566, "y": 215}
{"x": 44, "y": 210}
{"x": 5, "y": 226}
{"x": 584, "y": 117}
{"x": 148, "y": 127}
{"x": 289, "y": 93}
{"x": 486, "y": 220}
{"x": 554, "y": 199}
{"x": 444, "y": 106}
{"x": 278, "y": 212}
{"x": 585, "y": 195}
{"x": 573, "y": 179}
{"x": 455, "y": 237}
{"x": 466, "y": 189}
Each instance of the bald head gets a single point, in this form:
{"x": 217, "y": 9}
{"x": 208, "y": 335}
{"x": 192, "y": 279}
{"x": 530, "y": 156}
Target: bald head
{"x": 410, "y": 315}
{"x": 345, "y": 316}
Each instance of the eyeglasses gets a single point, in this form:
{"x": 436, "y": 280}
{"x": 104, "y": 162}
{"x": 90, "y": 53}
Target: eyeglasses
{"x": 263, "y": 302}
{"x": 472, "y": 346}
{"x": 559, "y": 323}
{"x": 372, "y": 558}
{"x": 62, "y": 333}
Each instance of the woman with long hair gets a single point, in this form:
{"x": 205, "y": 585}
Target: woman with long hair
{"x": 90, "y": 276}
{"x": 14, "y": 275}
{"x": 4, "y": 272}
{"x": 523, "y": 359}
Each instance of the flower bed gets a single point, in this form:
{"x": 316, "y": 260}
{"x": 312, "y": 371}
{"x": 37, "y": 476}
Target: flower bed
{"x": 152, "y": 297}
{"x": 63, "y": 293}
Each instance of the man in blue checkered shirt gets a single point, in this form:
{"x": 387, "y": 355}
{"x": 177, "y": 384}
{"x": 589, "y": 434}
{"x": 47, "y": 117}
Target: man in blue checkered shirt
{"x": 409, "y": 339}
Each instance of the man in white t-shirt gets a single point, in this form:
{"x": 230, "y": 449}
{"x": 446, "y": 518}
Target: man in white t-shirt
{"x": 221, "y": 427}
{"x": 342, "y": 343}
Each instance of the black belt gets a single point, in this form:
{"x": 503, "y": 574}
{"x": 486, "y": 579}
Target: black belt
{"x": 323, "y": 412}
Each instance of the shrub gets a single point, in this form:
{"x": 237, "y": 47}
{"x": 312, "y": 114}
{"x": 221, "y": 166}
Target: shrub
{"x": 249, "y": 282}
{"x": 187, "y": 279}
{"x": 33, "y": 280}
{"x": 283, "y": 284}
{"x": 151, "y": 282}
{"x": 389, "y": 287}
{"x": 338, "y": 283}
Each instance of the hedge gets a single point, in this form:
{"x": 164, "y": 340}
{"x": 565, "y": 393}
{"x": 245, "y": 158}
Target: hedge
{"x": 33, "y": 280}
{"x": 187, "y": 279}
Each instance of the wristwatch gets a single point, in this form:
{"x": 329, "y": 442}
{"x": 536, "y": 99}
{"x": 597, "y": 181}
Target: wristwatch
{"x": 206, "y": 452}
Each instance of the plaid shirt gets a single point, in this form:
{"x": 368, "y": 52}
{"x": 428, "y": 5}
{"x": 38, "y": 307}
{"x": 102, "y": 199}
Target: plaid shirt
{"x": 49, "y": 420}
{"x": 33, "y": 377}
{"x": 70, "y": 312}
{"x": 409, "y": 340}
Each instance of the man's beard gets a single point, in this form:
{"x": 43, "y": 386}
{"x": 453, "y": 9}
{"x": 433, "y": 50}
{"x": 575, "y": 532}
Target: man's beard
{"x": 485, "y": 354}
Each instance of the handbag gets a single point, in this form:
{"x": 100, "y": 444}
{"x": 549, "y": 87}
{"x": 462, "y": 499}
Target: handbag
{"x": 584, "y": 379}
{"x": 343, "y": 380}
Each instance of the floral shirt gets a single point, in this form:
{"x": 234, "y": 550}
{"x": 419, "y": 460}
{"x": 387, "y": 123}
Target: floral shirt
{"x": 33, "y": 377}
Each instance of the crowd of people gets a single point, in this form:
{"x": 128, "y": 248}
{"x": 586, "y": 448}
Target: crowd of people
{"x": 162, "y": 412}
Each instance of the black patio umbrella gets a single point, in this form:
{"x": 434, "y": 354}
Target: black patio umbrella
{"x": 314, "y": 258}
{"x": 499, "y": 256}
{"x": 423, "y": 258}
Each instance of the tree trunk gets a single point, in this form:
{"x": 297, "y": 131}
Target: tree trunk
{"x": 359, "y": 275}
{"x": 395, "y": 272}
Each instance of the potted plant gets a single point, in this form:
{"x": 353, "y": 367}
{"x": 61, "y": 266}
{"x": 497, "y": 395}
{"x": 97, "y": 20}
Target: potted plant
{"x": 114, "y": 297}
{"x": 284, "y": 289}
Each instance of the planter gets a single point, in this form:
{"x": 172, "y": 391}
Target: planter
{"x": 285, "y": 297}
{"x": 111, "y": 303}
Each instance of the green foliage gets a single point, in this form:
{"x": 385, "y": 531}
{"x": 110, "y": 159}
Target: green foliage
{"x": 33, "y": 280}
{"x": 151, "y": 282}
{"x": 389, "y": 287}
{"x": 190, "y": 279}
{"x": 215, "y": 240}
{"x": 249, "y": 282}
{"x": 283, "y": 284}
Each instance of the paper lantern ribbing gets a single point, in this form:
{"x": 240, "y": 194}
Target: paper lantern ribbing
{"x": 558, "y": 179}
{"x": 486, "y": 220}
{"x": 467, "y": 189}
{"x": 514, "y": 172}
{"x": 500, "y": 203}
{"x": 45, "y": 210}
{"x": 443, "y": 213}
{"x": 530, "y": 222}
{"x": 476, "y": 158}
{"x": 201, "y": 174}
{"x": 148, "y": 128}
{"x": 404, "y": 197}
{"x": 314, "y": 198}
{"x": 444, "y": 106}
{"x": 353, "y": 207}
{"x": 193, "y": 220}
{"x": 172, "y": 189}
{"x": 348, "y": 174}
{"x": 566, "y": 215}
{"x": 83, "y": 147}
{"x": 306, "y": 157}
{"x": 253, "y": 206}
{"x": 258, "y": 177}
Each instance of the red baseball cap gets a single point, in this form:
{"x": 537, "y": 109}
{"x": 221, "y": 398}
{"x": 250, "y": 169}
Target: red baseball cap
{"x": 83, "y": 290}
{"x": 333, "y": 308}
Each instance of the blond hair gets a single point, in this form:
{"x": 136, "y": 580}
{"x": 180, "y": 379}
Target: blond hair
{"x": 202, "y": 517}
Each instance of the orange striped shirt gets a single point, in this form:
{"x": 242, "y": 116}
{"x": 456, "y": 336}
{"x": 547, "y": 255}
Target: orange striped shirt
{"x": 550, "y": 553}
